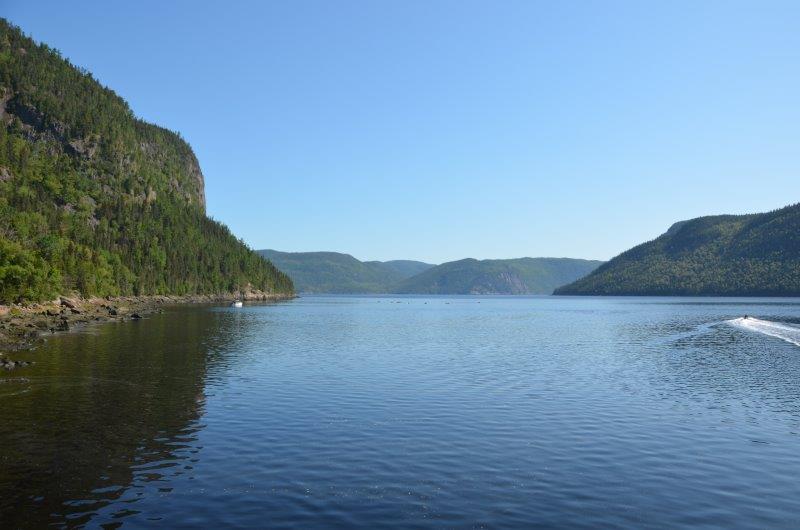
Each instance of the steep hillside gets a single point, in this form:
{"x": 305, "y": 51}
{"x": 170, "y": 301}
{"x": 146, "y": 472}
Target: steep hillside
{"x": 333, "y": 272}
{"x": 508, "y": 276}
{"x": 95, "y": 200}
{"x": 720, "y": 255}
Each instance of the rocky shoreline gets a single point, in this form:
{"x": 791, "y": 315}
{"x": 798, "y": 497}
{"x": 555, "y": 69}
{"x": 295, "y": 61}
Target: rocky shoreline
{"x": 23, "y": 325}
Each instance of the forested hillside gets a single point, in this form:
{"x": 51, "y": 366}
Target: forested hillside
{"x": 334, "y": 272}
{"x": 95, "y": 200}
{"x": 497, "y": 276}
{"x": 728, "y": 255}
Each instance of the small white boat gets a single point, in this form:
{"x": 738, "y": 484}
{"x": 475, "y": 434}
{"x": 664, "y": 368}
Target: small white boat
{"x": 236, "y": 303}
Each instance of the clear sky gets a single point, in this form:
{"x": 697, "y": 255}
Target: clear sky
{"x": 437, "y": 130}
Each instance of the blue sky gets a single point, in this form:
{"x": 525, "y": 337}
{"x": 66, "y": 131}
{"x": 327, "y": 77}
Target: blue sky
{"x": 437, "y": 130}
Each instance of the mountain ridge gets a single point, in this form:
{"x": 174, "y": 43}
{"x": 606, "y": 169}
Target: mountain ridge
{"x": 717, "y": 255}
{"x": 515, "y": 276}
{"x": 332, "y": 272}
{"x": 336, "y": 272}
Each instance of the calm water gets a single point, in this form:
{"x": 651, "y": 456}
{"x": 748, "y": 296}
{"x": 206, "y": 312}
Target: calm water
{"x": 413, "y": 412}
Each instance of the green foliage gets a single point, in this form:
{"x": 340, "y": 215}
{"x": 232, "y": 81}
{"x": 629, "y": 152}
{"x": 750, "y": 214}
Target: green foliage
{"x": 94, "y": 200}
{"x": 502, "y": 276}
{"x": 25, "y": 274}
{"x": 332, "y": 272}
{"x": 745, "y": 255}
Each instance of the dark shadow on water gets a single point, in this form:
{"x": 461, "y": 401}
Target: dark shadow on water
{"x": 102, "y": 412}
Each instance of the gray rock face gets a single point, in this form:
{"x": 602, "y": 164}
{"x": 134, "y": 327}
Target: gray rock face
{"x": 196, "y": 178}
{"x": 68, "y": 302}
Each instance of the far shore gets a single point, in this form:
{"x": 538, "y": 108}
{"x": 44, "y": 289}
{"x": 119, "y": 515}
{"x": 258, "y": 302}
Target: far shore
{"x": 23, "y": 325}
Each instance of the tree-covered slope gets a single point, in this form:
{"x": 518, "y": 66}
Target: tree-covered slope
{"x": 505, "y": 276}
{"x": 333, "y": 272}
{"x": 727, "y": 255}
{"x": 95, "y": 200}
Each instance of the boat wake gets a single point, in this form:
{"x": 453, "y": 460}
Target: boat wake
{"x": 778, "y": 330}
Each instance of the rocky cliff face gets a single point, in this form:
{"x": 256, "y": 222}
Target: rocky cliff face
{"x": 197, "y": 191}
{"x": 185, "y": 179}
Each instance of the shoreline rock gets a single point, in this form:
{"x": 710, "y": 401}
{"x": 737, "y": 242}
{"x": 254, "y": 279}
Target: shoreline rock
{"x": 23, "y": 325}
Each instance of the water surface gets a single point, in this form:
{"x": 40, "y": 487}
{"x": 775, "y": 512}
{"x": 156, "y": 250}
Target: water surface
{"x": 413, "y": 412}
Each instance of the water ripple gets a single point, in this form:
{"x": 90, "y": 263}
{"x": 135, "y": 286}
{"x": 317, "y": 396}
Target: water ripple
{"x": 414, "y": 412}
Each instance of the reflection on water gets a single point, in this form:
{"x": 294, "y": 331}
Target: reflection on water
{"x": 410, "y": 411}
{"x": 104, "y": 417}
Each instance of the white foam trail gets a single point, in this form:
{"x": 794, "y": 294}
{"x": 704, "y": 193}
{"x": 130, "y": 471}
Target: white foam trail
{"x": 778, "y": 330}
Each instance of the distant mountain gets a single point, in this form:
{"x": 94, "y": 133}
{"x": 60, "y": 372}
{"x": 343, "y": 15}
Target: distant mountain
{"x": 403, "y": 267}
{"x": 727, "y": 255}
{"x": 333, "y": 272}
{"x": 500, "y": 276}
